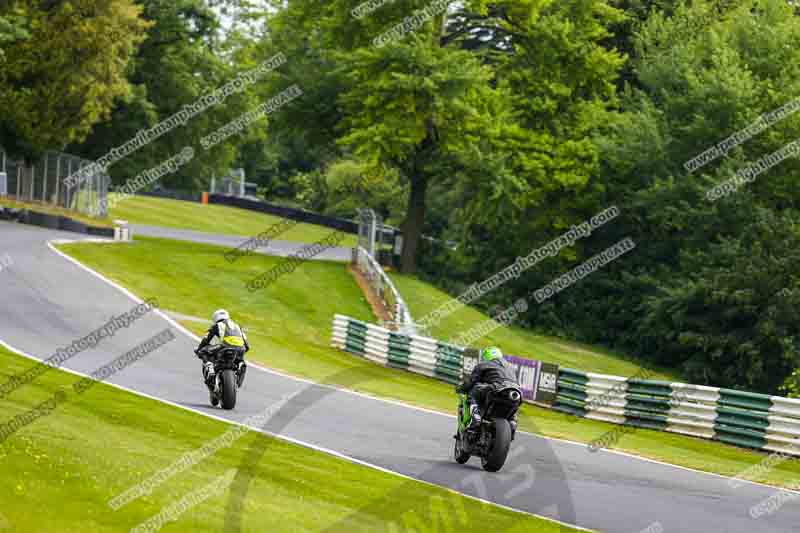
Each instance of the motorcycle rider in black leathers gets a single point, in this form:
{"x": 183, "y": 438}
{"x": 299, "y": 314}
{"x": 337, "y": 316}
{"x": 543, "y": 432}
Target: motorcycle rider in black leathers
{"x": 230, "y": 336}
{"x": 490, "y": 374}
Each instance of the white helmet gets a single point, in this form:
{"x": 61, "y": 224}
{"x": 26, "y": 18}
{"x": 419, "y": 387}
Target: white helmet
{"x": 220, "y": 314}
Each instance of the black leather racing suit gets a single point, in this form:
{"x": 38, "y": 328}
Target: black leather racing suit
{"x": 488, "y": 375}
{"x": 230, "y": 336}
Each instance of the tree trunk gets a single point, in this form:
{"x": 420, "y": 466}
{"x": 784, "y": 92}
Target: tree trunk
{"x": 412, "y": 226}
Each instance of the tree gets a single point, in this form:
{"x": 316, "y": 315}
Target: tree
{"x": 542, "y": 83}
{"x": 13, "y": 27}
{"x": 407, "y": 125}
{"x": 422, "y": 109}
{"x": 732, "y": 320}
{"x": 702, "y": 290}
{"x": 553, "y": 60}
{"x": 63, "y": 79}
{"x": 183, "y": 58}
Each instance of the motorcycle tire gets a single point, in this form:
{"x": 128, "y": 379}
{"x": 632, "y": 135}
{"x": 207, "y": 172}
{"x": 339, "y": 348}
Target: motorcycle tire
{"x": 459, "y": 455}
{"x": 228, "y": 387}
{"x": 496, "y": 457}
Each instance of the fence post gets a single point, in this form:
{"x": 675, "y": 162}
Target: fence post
{"x": 44, "y": 178}
{"x": 58, "y": 179}
{"x": 68, "y": 189}
{"x": 87, "y": 193}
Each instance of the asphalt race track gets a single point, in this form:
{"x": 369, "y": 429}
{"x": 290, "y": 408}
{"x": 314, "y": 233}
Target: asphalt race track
{"x": 48, "y": 301}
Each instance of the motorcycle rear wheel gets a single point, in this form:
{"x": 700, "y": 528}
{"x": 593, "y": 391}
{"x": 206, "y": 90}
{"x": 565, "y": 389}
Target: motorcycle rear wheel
{"x": 228, "y": 387}
{"x": 496, "y": 457}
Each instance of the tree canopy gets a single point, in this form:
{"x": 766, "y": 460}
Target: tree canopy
{"x": 495, "y": 125}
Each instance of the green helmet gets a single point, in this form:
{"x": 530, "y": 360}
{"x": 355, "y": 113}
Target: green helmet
{"x": 492, "y": 353}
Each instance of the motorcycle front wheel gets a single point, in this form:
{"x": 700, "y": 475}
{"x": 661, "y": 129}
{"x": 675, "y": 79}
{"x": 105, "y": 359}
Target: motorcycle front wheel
{"x": 459, "y": 455}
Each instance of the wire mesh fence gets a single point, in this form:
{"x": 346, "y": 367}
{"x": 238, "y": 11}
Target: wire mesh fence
{"x": 43, "y": 182}
{"x": 234, "y": 184}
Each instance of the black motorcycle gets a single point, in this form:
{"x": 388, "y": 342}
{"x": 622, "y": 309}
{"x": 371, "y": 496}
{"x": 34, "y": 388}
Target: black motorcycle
{"x": 229, "y": 369}
{"x": 491, "y": 439}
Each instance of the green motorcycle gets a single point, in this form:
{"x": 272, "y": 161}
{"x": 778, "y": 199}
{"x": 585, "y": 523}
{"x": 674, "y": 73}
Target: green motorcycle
{"x": 491, "y": 439}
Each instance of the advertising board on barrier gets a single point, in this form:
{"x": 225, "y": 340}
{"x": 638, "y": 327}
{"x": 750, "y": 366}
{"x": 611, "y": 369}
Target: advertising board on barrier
{"x": 537, "y": 379}
{"x": 547, "y": 384}
{"x": 527, "y": 372}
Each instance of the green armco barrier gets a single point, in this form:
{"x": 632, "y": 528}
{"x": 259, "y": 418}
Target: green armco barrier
{"x": 649, "y": 387}
{"x": 354, "y": 347}
{"x": 394, "y": 338}
{"x": 449, "y": 378}
{"x": 647, "y": 424}
{"x": 741, "y": 418}
{"x": 356, "y": 332}
{"x": 575, "y": 410}
{"x": 570, "y": 384}
{"x": 745, "y": 400}
{"x": 575, "y": 376}
{"x": 398, "y": 346}
{"x": 398, "y": 359}
{"x": 399, "y": 350}
{"x": 357, "y": 325}
{"x": 643, "y": 403}
{"x": 572, "y": 393}
{"x": 738, "y": 418}
{"x": 449, "y": 363}
{"x": 571, "y": 402}
{"x": 637, "y": 414}
{"x": 450, "y": 351}
{"x": 448, "y": 360}
{"x": 739, "y": 437}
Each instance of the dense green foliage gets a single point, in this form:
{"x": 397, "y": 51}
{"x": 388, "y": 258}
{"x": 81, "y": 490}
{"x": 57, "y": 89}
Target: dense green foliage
{"x": 496, "y": 125}
{"x": 183, "y": 59}
{"x": 704, "y": 290}
{"x": 63, "y": 65}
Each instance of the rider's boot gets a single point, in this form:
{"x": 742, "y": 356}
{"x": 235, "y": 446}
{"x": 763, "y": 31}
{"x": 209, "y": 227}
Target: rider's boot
{"x": 209, "y": 374}
{"x": 514, "y": 421}
{"x": 475, "y": 417}
{"x": 241, "y": 373}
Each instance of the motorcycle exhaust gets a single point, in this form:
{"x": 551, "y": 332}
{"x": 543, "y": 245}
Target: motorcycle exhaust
{"x": 515, "y": 396}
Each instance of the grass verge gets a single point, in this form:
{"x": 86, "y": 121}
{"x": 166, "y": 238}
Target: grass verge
{"x": 60, "y": 472}
{"x": 289, "y": 327}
